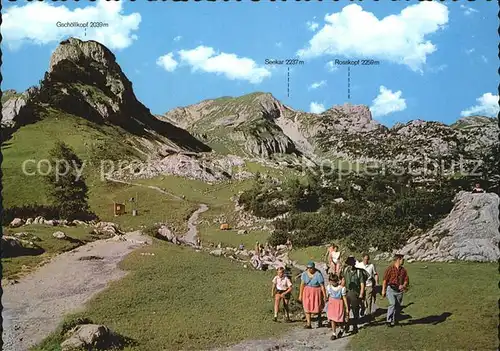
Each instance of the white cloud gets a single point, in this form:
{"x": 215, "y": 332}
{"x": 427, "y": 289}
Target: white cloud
{"x": 387, "y": 102}
{"x": 468, "y": 10}
{"x": 331, "y": 67}
{"x": 312, "y": 26}
{"x": 470, "y": 51}
{"x": 316, "y": 107}
{"x": 485, "y": 60}
{"x": 399, "y": 38}
{"x": 35, "y": 23}
{"x": 487, "y": 105}
{"x": 167, "y": 62}
{"x": 317, "y": 85}
{"x": 279, "y": 44}
{"x": 177, "y": 38}
{"x": 206, "y": 59}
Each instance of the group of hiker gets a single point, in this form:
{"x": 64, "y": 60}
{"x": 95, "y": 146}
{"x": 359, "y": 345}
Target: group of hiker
{"x": 263, "y": 251}
{"x": 351, "y": 289}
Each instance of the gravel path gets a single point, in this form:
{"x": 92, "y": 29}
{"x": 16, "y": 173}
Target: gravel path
{"x": 146, "y": 186}
{"x": 34, "y": 307}
{"x": 192, "y": 233}
{"x": 296, "y": 340}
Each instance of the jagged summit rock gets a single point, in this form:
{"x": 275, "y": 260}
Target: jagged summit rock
{"x": 469, "y": 232}
{"x": 77, "y": 50}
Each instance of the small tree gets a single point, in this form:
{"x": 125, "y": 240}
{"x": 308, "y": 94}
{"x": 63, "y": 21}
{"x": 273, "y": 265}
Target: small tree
{"x": 66, "y": 185}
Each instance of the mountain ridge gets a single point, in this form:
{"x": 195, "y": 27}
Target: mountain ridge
{"x": 84, "y": 80}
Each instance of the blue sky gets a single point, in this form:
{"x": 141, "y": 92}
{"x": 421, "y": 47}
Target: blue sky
{"x": 437, "y": 61}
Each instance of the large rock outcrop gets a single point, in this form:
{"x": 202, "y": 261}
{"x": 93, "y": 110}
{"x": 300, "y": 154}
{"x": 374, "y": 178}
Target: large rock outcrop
{"x": 468, "y": 233}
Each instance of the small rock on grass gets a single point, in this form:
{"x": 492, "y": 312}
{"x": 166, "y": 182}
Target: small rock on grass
{"x": 59, "y": 235}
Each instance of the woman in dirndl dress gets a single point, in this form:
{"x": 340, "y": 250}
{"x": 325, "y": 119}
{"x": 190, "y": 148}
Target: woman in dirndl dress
{"x": 312, "y": 293}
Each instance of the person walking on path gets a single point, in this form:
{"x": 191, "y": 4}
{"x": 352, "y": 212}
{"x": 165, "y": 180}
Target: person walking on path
{"x": 333, "y": 259}
{"x": 312, "y": 293}
{"x": 395, "y": 283}
{"x": 370, "y": 294}
{"x": 337, "y": 309}
{"x": 281, "y": 291}
{"x": 354, "y": 282}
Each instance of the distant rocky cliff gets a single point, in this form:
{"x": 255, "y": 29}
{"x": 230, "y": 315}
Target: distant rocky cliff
{"x": 346, "y": 131}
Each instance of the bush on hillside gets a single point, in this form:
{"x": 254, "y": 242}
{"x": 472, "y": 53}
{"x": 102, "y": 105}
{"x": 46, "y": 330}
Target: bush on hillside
{"x": 364, "y": 211}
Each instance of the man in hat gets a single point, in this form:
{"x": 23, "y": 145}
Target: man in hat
{"x": 354, "y": 281}
{"x": 395, "y": 283}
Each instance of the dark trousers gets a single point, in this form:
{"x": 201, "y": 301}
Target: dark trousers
{"x": 354, "y": 303}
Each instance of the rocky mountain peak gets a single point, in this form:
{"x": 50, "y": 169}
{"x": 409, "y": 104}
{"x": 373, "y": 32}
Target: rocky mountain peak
{"x": 89, "y": 62}
{"x": 361, "y": 112}
{"x": 79, "y": 51}
{"x": 351, "y": 118}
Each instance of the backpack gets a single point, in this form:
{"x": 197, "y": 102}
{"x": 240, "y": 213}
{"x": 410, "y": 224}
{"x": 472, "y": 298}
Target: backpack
{"x": 360, "y": 272}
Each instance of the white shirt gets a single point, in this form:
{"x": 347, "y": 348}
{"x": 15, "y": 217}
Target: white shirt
{"x": 334, "y": 256}
{"x": 282, "y": 283}
{"x": 370, "y": 269}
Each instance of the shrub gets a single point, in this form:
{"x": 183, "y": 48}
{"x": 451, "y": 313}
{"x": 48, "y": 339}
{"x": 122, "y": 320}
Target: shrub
{"x": 378, "y": 215}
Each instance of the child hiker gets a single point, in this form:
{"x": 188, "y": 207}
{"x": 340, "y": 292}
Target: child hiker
{"x": 282, "y": 287}
{"x": 337, "y": 310}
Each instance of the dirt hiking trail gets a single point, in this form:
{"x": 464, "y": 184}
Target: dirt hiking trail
{"x": 192, "y": 233}
{"x": 34, "y": 307}
{"x": 296, "y": 340}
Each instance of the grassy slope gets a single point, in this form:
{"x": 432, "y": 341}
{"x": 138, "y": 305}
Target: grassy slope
{"x": 15, "y": 267}
{"x": 467, "y": 291}
{"x": 34, "y": 141}
{"x": 179, "y": 299}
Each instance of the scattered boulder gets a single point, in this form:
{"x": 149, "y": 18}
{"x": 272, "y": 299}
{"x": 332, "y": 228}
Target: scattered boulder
{"x": 165, "y": 233}
{"x": 384, "y": 256}
{"x": 29, "y": 221}
{"x": 22, "y": 235}
{"x": 242, "y": 232}
{"x": 59, "y": 235}
{"x": 468, "y": 233}
{"x": 39, "y": 220}
{"x": 217, "y": 252}
{"x": 16, "y": 222}
{"x": 50, "y": 222}
{"x": 106, "y": 229}
{"x": 91, "y": 337}
{"x": 78, "y": 222}
{"x": 15, "y": 247}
